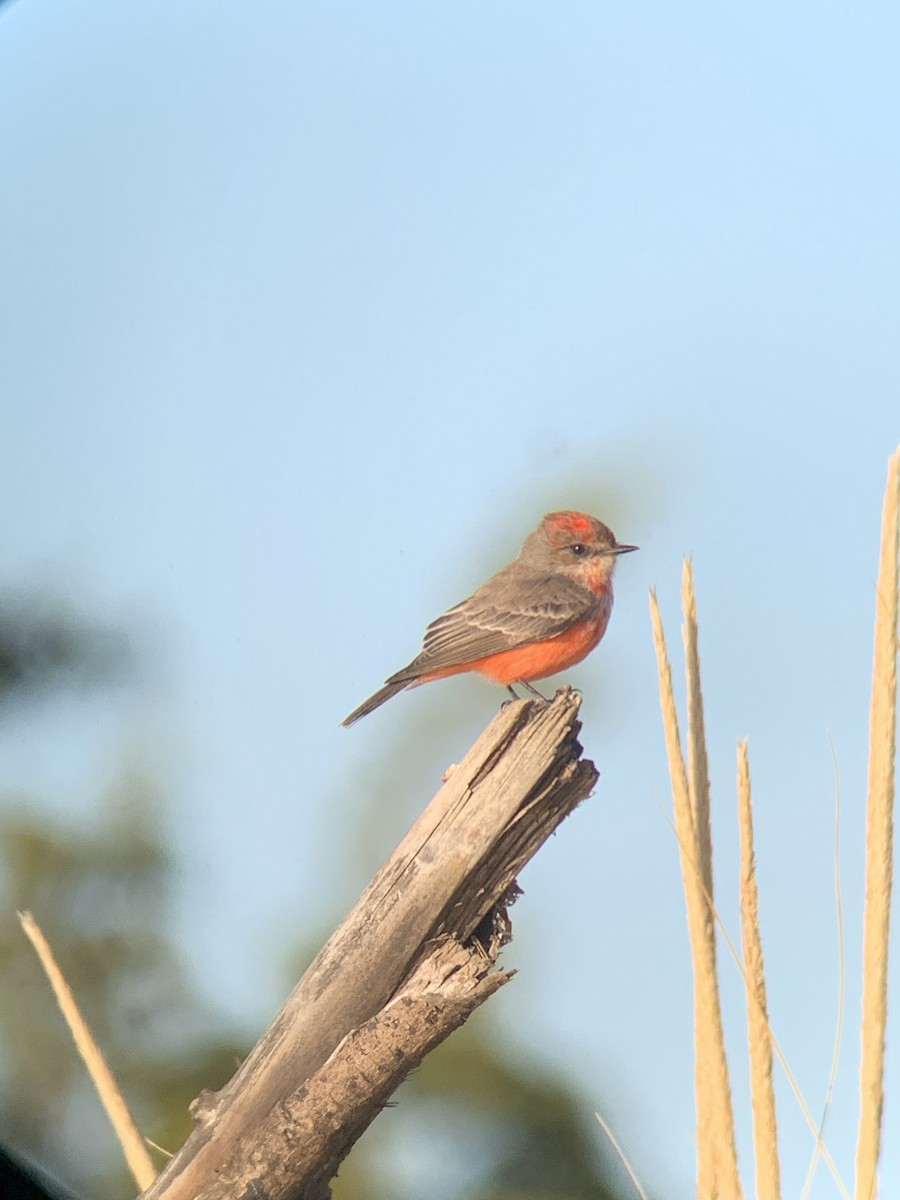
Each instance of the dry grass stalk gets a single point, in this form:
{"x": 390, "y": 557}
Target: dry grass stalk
{"x": 879, "y": 844}
{"x": 717, "y": 1169}
{"x": 623, "y": 1158}
{"x": 821, "y": 1148}
{"x": 139, "y": 1161}
{"x": 698, "y": 762}
{"x": 841, "y": 979}
{"x": 765, "y": 1125}
{"x": 698, "y": 786}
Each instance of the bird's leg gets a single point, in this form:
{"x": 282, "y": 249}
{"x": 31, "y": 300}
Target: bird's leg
{"x": 540, "y": 695}
{"x": 512, "y": 691}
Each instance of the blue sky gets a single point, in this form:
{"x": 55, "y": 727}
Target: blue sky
{"x": 310, "y": 312}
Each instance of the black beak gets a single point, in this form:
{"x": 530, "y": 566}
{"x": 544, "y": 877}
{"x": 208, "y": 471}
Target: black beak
{"x": 617, "y": 549}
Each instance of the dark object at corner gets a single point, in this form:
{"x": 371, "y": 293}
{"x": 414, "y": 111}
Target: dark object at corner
{"x": 24, "y": 1180}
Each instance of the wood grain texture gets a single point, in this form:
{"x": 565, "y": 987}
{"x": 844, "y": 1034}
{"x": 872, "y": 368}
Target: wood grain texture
{"x": 380, "y": 994}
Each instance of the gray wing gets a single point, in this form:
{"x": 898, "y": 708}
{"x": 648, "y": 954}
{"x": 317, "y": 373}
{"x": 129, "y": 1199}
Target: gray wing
{"x": 512, "y": 609}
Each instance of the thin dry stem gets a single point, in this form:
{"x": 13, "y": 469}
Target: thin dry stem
{"x": 139, "y": 1162}
{"x": 782, "y": 1057}
{"x": 632, "y": 1174}
{"x": 765, "y": 1124}
{"x": 879, "y": 845}
{"x": 717, "y": 1169}
{"x": 842, "y": 987}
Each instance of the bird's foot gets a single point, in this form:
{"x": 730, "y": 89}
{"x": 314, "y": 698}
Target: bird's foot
{"x": 539, "y": 695}
{"x": 514, "y": 695}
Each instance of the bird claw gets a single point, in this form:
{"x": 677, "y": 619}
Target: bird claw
{"x": 515, "y": 696}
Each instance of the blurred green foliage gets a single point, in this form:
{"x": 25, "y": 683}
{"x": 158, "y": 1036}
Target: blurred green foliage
{"x": 101, "y": 895}
{"x": 101, "y": 889}
{"x": 46, "y": 644}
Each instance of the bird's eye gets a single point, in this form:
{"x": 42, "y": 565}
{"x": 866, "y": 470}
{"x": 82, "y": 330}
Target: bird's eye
{"x": 579, "y": 548}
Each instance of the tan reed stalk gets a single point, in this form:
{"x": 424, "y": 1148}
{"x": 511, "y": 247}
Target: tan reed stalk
{"x": 698, "y": 787}
{"x": 698, "y": 763}
{"x": 879, "y": 845}
{"x": 785, "y": 1065}
{"x": 762, "y": 1092}
{"x": 139, "y": 1161}
{"x": 717, "y": 1169}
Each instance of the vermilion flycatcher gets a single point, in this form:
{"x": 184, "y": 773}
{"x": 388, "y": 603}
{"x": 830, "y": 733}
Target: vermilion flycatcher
{"x": 541, "y": 614}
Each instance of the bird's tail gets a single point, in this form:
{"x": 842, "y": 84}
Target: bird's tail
{"x": 391, "y": 688}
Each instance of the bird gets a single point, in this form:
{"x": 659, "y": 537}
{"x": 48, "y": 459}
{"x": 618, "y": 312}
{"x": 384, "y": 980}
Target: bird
{"x": 539, "y": 615}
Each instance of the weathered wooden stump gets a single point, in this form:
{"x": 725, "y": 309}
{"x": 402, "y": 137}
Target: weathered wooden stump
{"x": 414, "y": 957}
